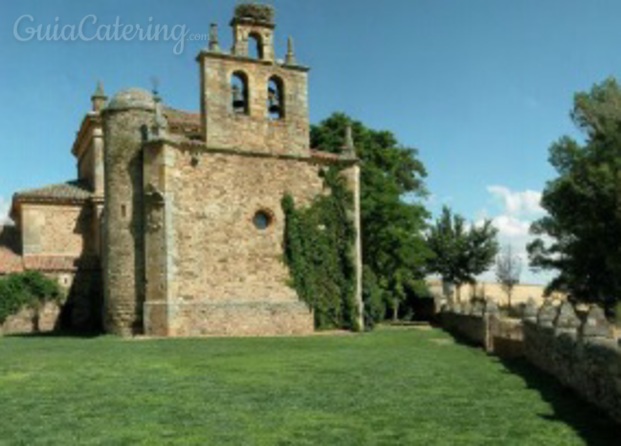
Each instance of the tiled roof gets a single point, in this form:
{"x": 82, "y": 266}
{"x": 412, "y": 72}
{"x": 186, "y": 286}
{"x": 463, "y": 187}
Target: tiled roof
{"x": 182, "y": 122}
{"x": 49, "y": 263}
{"x": 10, "y": 262}
{"x": 70, "y": 191}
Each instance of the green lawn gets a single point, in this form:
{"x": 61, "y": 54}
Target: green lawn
{"x": 393, "y": 386}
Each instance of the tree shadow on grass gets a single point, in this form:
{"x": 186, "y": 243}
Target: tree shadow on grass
{"x": 461, "y": 339}
{"x": 592, "y": 424}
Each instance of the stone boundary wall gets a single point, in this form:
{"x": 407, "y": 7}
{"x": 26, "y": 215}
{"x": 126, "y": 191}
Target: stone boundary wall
{"x": 470, "y": 327}
{"x": 29, "y": 320}
{"x": 581, "y": 353}
{"x": 482, "y": 325}
{"x": 505, "y": 337}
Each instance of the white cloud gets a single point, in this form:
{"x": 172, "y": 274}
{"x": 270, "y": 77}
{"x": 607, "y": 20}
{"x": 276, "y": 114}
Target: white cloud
{"x": 524, "y": 203}
{"x": 5, "y": 206}
{"x": 511, "y": 228}
{"x": 516, "y": 212}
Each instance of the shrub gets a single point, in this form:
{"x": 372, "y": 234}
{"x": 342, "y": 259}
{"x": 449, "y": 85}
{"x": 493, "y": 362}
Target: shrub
{"x": 26, "y": 290}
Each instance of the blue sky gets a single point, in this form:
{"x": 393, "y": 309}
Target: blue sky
{"x": 480, "y": 87}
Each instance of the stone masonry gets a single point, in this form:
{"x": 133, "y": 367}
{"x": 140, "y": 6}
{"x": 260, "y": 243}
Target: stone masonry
{"x": 177, "y": 215}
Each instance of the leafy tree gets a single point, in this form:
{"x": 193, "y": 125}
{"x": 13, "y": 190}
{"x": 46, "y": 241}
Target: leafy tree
{"x": 461, "y": 251}
{"x": 393, "y": 218}
{"x": 508, "y": 270}
{"x": 580, "y": 238}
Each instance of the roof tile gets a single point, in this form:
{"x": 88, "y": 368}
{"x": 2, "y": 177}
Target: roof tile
{"x": 71, "y": 190}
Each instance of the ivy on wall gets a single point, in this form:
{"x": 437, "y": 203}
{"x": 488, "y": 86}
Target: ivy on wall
{"x": 319, "y": 249}
{"x": 26, "y": 290}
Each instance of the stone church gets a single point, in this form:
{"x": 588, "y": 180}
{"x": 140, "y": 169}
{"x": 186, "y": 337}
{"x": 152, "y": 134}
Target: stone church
{"x": 174, "y": 225}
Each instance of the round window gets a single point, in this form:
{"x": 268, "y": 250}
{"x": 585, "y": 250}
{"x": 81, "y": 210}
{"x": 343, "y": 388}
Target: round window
{"x": 262, "y": 220}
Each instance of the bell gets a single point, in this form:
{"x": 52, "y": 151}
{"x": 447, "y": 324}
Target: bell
{"x": 274, "y": 102}
{"x": 275, "y": 108}
{"x": 239, "y": 102}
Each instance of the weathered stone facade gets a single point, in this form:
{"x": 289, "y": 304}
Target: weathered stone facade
{"x": 29, "y": 320}
{"x": 182, "y": 211}
{"x": 56, "y": 230}
{"x": 214, "y": 254}
{"x": 254, "y": 131}
{"x": 127, "y": 118}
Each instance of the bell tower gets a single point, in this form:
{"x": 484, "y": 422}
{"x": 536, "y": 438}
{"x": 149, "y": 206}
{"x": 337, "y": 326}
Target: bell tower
{"x": 253, "y": 25}
{"x": 251, "y": 100}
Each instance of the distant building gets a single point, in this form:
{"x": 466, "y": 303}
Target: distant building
{"x": 174, "y": 225}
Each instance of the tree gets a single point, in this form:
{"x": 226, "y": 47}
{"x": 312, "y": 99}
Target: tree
{"x": 580, "y": 238}
{"x": 393, "y": 217}
{"x": 508, "y": 270}
{"x": 461, "y": 251}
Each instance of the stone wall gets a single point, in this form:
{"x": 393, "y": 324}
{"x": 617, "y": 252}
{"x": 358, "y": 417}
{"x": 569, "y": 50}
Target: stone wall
{"x": 220, "y": 254}
{"x": 54, "y": 230}
{"x": 126, "y": 121}
{"x": 253, "y": 131}
{"x": 481, "y": 324}
{"x": 29, "y": 320}
{"x": 204, "y": 250}
{"x": 195, "y": 319}
{"x": 472, "y": 328}
{"x": 581, "y": 353}
{"x": 88, "y": 150}
{"x": 505, "y": 337}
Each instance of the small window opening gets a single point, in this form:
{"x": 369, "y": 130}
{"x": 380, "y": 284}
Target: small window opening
{"x": 239, "y": 92}
{"x": 255, "y": 46}
{"x": 144, "y": 133}
{"x": 262, "y": 220}
{"x": 275, "y": 99}
{"x": 123, "y": 211}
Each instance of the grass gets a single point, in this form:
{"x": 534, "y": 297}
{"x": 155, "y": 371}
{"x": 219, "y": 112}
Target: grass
{"x": 393, "y": 386}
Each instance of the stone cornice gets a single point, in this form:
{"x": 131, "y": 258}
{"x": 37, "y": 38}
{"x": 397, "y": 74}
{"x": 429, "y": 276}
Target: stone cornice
{"x": 252, "y": 22}
{"x": 315, "y": 157}
{"x": 232, "y": 57}
{"x": 99, "y": 199}
{"x": 49, "y": 200}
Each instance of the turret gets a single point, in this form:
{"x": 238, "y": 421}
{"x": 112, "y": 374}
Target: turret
{"x": 129, "y": 120}
{"x": 99, "y": 98}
